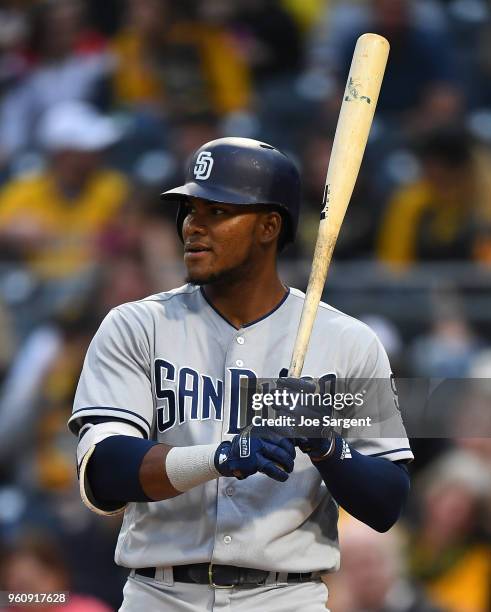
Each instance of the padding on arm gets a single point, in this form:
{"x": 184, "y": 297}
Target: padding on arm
{"x": 90, "y": 435}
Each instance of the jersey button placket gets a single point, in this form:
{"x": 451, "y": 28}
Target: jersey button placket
{"x": 224, "y": 545}
{"x": 241, "y": 341}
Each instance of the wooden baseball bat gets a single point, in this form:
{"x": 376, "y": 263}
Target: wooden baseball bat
{"x": 355, "y": 119}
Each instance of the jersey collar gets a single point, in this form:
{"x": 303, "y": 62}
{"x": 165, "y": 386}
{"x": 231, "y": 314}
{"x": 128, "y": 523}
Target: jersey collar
{"x": 268, "y": 314}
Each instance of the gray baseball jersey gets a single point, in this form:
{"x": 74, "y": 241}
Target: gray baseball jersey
{"x": 171, "y": 365}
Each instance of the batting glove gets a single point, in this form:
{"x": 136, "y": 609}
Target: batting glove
{"x": 317, "y": 442}
{"x": 247, "y": 454}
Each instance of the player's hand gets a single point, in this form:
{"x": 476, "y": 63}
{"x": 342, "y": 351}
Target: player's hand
{"x": 317, "y": 442}
{"x": 247, "y": 454}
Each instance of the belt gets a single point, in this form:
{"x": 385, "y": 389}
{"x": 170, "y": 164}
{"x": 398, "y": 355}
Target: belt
{"x": 223, "y": 576}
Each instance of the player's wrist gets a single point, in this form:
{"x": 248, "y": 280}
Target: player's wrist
{"x": 220, "y": 458}
{"x": 190, "y": 466}
{"x": 319, "y": 448}
{"x": 330, "y": 451}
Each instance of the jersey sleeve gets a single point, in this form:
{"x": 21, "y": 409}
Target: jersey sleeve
{"x": 116, "y": 377}
{"x": 379, "y": 431}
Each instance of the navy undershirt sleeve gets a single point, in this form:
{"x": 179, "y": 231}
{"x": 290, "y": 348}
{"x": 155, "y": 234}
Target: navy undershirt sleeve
{"x": 372, "y": 489}
{"x": 113, "y": 470}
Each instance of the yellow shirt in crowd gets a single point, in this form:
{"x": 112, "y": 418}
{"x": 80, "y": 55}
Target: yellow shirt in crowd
{"x": 138, "y": 79}
{"x": 401, "y": 228}
{"x": 466, "y": 586}
{"x": 72, "y": 226}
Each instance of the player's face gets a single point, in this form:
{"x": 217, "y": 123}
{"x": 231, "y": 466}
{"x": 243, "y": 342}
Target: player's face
{"x": 221, "y": 241}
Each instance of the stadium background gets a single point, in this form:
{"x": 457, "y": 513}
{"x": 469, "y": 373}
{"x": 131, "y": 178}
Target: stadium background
{"x": 101, "y": 104}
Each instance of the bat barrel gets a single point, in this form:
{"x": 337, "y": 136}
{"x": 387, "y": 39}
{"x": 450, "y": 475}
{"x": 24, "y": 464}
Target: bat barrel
{"x": 355, "y": 119}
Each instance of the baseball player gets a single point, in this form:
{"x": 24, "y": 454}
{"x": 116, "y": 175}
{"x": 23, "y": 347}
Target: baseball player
{"x": 217, "y": 518}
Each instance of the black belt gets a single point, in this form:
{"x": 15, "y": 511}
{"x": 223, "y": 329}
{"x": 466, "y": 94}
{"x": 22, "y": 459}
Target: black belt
{"x": 225, "y": 576}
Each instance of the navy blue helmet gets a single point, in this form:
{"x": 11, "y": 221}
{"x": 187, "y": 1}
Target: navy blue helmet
{"x": 242, "y": 171}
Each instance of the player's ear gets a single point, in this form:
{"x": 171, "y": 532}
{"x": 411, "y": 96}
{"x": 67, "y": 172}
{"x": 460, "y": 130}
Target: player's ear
{"x": 270, "y": 226}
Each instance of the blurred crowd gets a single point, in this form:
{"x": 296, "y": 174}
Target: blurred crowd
{"x": 101, "y": 104}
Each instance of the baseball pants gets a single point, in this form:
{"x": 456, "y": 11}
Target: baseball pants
{"x": 142, "y": 593}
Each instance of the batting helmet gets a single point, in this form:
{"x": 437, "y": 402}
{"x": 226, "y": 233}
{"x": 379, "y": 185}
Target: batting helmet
{"x": 242, "y": 171}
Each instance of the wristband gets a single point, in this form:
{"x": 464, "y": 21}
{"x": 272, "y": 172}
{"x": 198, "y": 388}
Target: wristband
{"x": 190, "y": 466}
{"x": 327, "y": 453}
